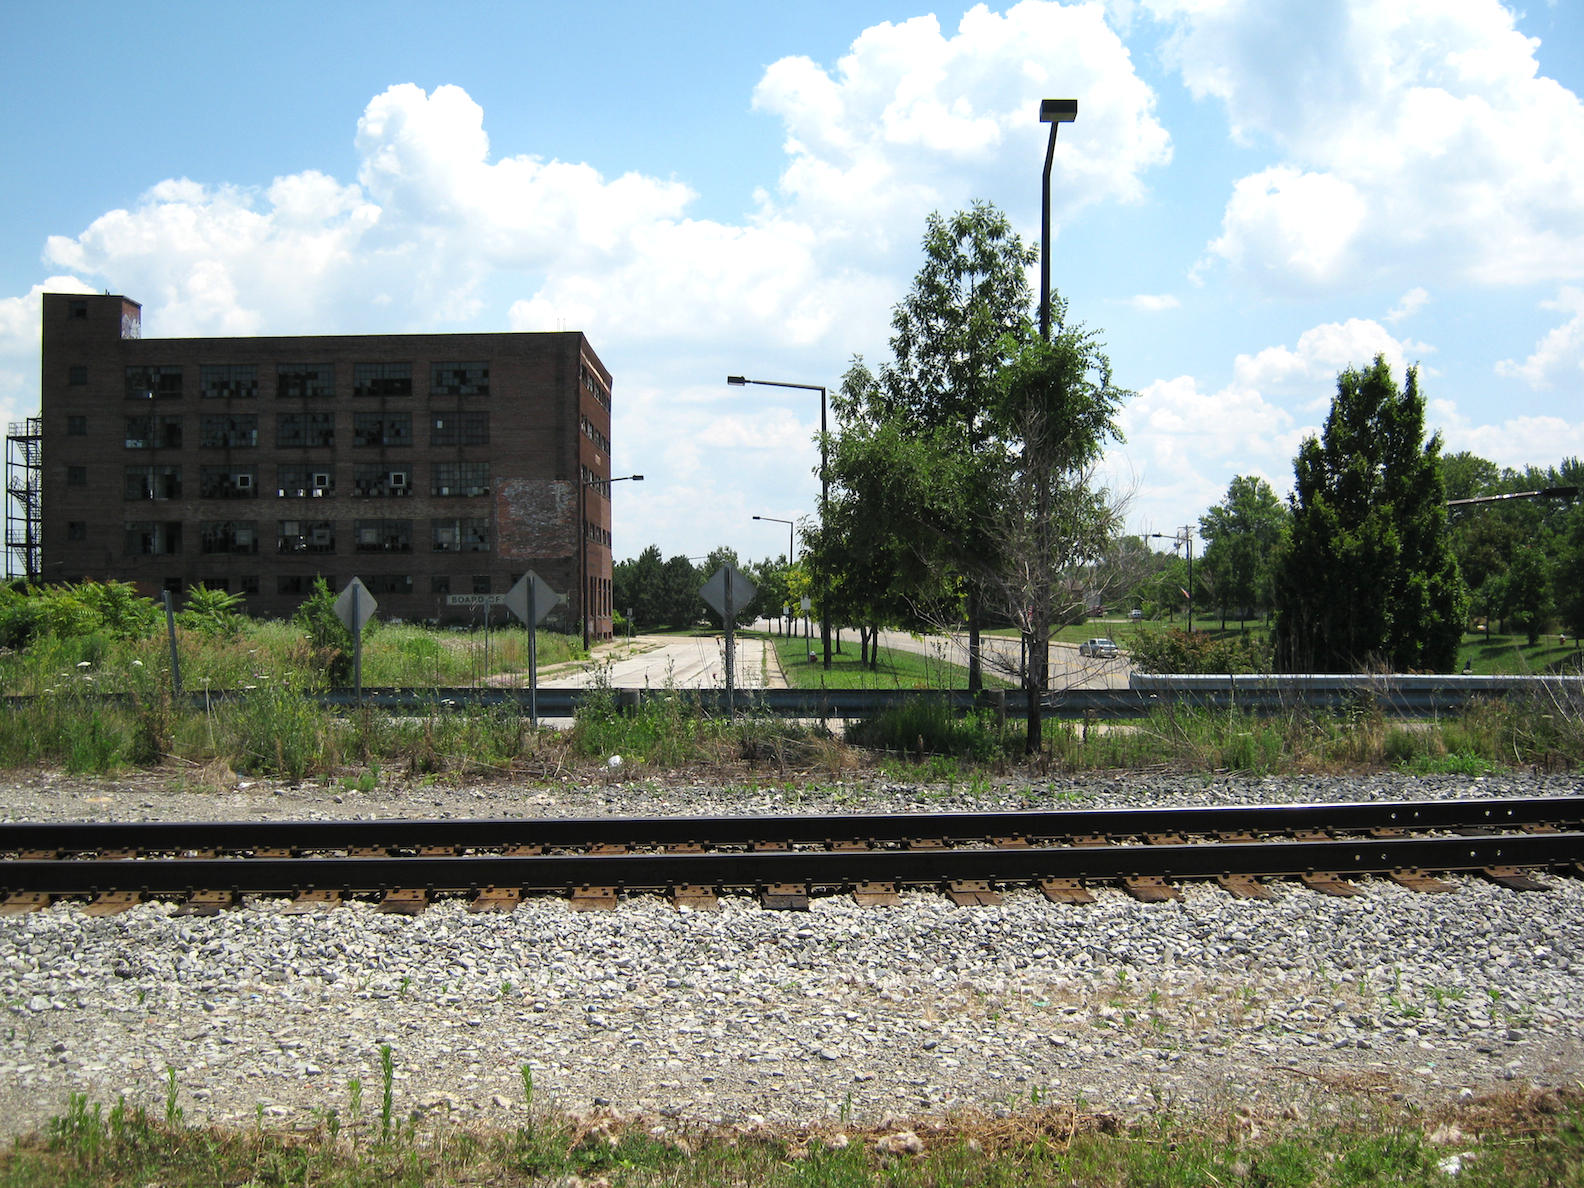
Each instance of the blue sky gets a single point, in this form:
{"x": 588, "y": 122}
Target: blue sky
{"x": 1256, "y": 193}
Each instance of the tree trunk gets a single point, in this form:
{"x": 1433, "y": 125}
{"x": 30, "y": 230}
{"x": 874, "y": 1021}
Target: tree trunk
{"x": 874, "y": 648}
{"x": 975, "y": 667}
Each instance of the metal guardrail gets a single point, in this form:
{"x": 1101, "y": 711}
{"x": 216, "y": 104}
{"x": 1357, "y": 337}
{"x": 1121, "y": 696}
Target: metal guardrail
{"x": 1398, "y": 696}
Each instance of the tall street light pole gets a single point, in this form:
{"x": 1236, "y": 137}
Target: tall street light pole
{"x": 738, "y": 381}
{"x": 1054, "y": 112}
{"x": 1183, "y": 536}
{"x": 583, "y": 576}
{"x": 791, "y": 555}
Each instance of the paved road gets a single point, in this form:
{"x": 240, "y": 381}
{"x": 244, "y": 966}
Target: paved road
{"x": 1003, "y": 656}
{"x": 694, "y": 662}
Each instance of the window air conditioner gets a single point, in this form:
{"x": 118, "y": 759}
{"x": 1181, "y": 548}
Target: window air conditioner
{"x": 398, "y": 478}
{"x": 244, "y": 482}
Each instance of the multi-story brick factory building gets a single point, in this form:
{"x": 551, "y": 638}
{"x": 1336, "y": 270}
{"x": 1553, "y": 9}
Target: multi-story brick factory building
{"x": 425, "y": 464}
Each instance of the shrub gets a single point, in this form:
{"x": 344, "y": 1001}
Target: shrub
{"x": 1178, "y": 651}
{"x": 214, "y": 613}
{"x": 928, "y": 726}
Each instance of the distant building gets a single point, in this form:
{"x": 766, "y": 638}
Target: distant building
{"x": 426, "y": 464}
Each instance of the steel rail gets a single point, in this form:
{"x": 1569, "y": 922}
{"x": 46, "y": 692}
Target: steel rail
{"x": 804, "y": 868}
{"x": 873, "y": 829}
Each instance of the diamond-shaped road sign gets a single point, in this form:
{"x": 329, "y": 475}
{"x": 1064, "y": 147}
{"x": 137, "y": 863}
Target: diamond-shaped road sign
{"x": 355, "y": 600}
{"x": 728, "y": 591}
{"x": 544, "y": 598}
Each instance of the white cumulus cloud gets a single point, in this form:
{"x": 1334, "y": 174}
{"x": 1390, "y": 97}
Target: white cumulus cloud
{"x": 1154, "y": 302}
{"x": 1419, "y": 137}
{"x": 1561, "y": 348}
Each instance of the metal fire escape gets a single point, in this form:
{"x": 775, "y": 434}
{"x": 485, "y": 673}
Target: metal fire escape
{"x": 24, "y": 489}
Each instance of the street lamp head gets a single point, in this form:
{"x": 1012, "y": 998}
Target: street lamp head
{"x": 637, "y": 478}
{"x": 1058, "y": 111}
{"x": 736, "y": 381}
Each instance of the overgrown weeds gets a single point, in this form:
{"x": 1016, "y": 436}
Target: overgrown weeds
{"x": 1517, "y": 1139}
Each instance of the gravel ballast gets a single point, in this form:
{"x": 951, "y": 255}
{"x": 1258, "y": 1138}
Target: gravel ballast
{"x": 838, "y": 1012}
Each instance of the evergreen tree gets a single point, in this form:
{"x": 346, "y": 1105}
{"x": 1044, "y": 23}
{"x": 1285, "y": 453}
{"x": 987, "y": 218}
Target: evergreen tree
{"x": 1367, "y": 576}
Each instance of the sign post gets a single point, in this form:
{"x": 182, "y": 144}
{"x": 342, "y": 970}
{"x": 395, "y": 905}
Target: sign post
{"x": 355, "y": 607}
{"x": 531, "y": 600}
{"x": 728, "y": 590}
{"x": 170, "y": 630}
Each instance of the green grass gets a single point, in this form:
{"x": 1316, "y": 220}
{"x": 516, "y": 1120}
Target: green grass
{"x": 1512, "y": 1142}
{"x": 1509, "y": 655}
{"x": 898, "y": 669}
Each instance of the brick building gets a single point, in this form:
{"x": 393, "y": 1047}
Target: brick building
{"x": 425, "y": 464}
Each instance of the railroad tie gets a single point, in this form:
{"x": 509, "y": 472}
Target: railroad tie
{"x": 876, "y": 895}
{"x": 694, "y": 897}
{"x": 785, "y": 897}
{"x": 495, "y": 899}
{"x": 112, "y": 903}
{"x": 1416, "y": 880}
{"x": 404, "y": 901}
{"x": 1165, "y": 839}
{"x": 1328, "y": 882}
{"x": 313, "y": 901}
{"x": 207, "y": 903}
{"x": 1515, "y": 878}
{"x": 1066, "y": 891}
{"x": 973, "y": 893}
{"x": 1242, "y": 886}
{"x": 20, "y": 902}
{"x": 1150, "y": 889}
{"x": 592, "y": 899}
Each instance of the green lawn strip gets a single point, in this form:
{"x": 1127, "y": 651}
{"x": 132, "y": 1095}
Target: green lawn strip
{"x": 898, "y": 669}
{"x": 1508, "y": 655}
{"x": 1519, "y": 1142}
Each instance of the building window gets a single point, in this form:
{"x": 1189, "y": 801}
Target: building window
{"x": 461, "y": 536}
{"x": 382, "y": 429}
{"x": 298, "y": 430}
{"x": 591, "y": 432}
{"x": 153, "y": 482}
{"x": 297, "y": 381}
{"x": 305, "y": 482}
{"x": 77, "y": 426}
{"x": 76, "y": 476}
{"x": 378, "y": 480}
{"x": 161, "y": 433}
{"x": 228, "y": 482}
{"x": 594, "y": 386}
{"x": 153, "y": 537}
{"x": 459, "y": 428}
{"x": 235, "y": 380}
{"x": 228, "y": 430}
{"x": 460, "y": 478}
{"x": 77, "y": 376}
{"x": 481, "y": 583}
{"x": 305, "y": 536}
{"x": 216, "y": 583}
{"x": 389, "y": 583}
{"x": 382, "y": 536}
{"x": 459, "y": 379}
{"x": 297, "y": 583}
{"x": 382, "y": 379}
{"x": 76, "y": 309}
{"x": 248, "y": 583}
{"x": 594, "y": 534}
{"x": 145, "y": 383}
{"x": 229, "y": 536}
{"x": 440, "y": 584}
{"x": 77, "y": 530}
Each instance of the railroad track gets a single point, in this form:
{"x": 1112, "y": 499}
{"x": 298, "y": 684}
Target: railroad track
{"x": 972, "y": 857}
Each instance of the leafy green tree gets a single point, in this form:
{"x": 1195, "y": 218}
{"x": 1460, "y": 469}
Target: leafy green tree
{"x": 1528, "y": 591}
{"x": 1056, "y": 407}
{"x": 918, "y": 440}
{"x": 679, "y": 604}
{"x": 1241, "y": 534}
{"x": 1367, "y": 576}
{"x": 1568, "y": 575}
{"x": 638, "y": 585}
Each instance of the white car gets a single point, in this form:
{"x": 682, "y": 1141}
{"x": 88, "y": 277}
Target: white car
{"x": 1103, "y": 648}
